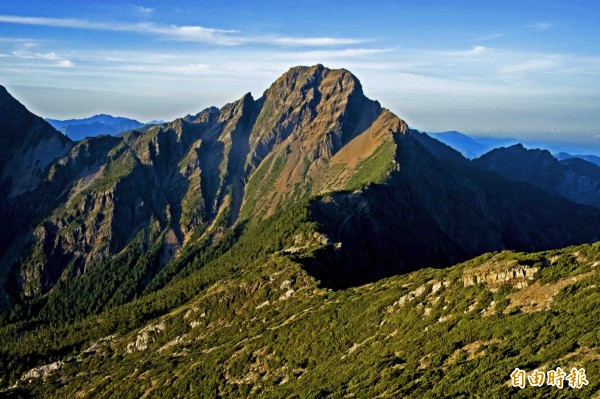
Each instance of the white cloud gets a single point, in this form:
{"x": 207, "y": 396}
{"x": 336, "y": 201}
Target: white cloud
{"x": 183, "y": 33}
{"x": 144, "y": 10}
{"x": 305, "y": 41}
{"x": 24, "y": 52}
{"x": 65, "y": 64}
{"x": 333, "y": 54}
{"x": 27, "y": 55}
{"x": 16, "y": 40}
{"x": 476, "y": 50}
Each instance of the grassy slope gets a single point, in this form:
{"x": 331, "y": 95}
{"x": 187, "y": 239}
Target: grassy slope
{"x": 253, "y": 323}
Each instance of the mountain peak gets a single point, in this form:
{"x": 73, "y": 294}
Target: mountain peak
{"x": 311, "y": 76}
{"x": 517, "y": 147}
{"x": 320, "y": 107}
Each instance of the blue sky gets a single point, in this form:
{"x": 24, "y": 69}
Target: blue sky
{"x": 529, "y": 69}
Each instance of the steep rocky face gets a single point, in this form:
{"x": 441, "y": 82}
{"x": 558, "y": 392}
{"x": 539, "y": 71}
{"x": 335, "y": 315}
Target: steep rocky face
{"x": 314, "y": 129}
{"x": 574, "y": 179}
{"x": 314, "y": 132}
{"x": 167, "y": 183}
{"x": 28, "y": 145}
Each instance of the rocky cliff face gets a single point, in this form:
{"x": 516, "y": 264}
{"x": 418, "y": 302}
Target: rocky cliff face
{"x": 390, "y": 199}
{"x": 28, "y": 146}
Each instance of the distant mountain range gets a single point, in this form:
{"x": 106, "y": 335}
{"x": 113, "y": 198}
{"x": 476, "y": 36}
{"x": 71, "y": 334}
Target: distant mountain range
{"x": 590, "y": 158}
{"x": 471, "y": 147}
{"x": 97, "y": 125}
{"x": 475, "y": 146}
{"x": 572, "y": 178}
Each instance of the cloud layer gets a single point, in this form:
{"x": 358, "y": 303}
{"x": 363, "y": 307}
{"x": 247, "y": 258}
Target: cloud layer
{"x": 183, "y": 33}
{"x": 485, "y": 83}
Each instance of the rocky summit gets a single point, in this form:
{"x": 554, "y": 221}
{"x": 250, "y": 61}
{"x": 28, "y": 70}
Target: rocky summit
{"x": 194, "y": 255}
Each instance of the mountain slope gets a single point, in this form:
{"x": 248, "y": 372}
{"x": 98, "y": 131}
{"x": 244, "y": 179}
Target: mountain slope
{"x": 389, "y": 201}
{"x": 437, "y": 216}
{"x": 573, "y": 178}
{"x": 198, "y": 257}
{"x": 263, "y": 328}
{"x": 28, "y": 145}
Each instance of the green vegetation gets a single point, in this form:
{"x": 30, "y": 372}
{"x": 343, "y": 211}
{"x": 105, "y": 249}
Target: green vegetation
{"x": 246, "y": 320}
{"x": 375, "y": 168}
{"x": 118, "y": 308}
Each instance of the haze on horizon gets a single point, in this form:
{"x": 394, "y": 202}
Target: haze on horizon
{"x": 523, "y": 68}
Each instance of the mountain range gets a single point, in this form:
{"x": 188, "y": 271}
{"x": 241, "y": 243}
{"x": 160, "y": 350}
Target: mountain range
{"x": 475, "y": 146}
{"x": 472, "y": 147}
{"x": 260, "y": 217}
{"x": 590, "y": 158}
{"x": 572, "y": 178}
{"x": 102, "y": 124}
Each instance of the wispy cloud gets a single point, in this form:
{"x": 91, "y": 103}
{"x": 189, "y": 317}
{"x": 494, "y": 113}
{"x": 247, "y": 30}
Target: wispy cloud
{"x": 186, "y": 69}
{"x": 144, "y": 10}
{"x": 476, "y": 50}
{"x": 490, "y": 37}
{"x": 182, "y": 33}
{"x": 337, "y": 54}
{"x": 25, "y": 53}
{"x": 540, "y": 26}
{"x": 17, "y": 40}
{"x": 65, "y": 63}
{"x": 529, "y": 66}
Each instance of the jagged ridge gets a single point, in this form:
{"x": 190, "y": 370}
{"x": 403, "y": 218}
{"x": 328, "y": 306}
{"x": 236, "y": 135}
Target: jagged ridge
{"x": 313, "y": 134}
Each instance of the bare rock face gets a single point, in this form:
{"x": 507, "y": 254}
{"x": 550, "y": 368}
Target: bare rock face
{"x": 145, "y": 337}
{"x": 42, "y": 371}
{"x": 494, "y": 275}
{"x": 27, "y": 146}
